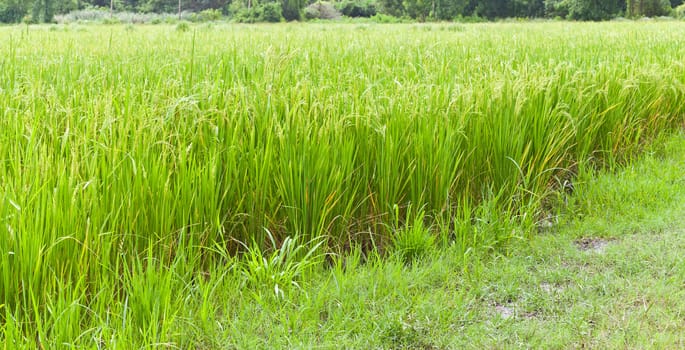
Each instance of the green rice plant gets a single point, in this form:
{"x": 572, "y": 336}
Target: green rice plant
{"x": 152, "y": 302}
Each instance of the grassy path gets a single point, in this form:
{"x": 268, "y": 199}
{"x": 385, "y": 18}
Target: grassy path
{"x": 610, "y": 275}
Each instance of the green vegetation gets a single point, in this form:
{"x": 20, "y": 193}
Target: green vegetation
{"x": 388, "y": 11}
{"x": 289, "y": 185}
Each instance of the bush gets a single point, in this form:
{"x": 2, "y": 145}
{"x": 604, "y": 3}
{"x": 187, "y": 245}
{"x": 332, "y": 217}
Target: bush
{"x": 679, "y": 12}
{"x": 90, "y": 15}
{"x": 272, "y": 12}
{"x": 269, "y": 12}
{"x": 244, "y": 15}
{"x": 357, "y": 8}
{"x": 111, "y": 20}
{"x": 206, "y": 16}
{"x": 101, "y": 15}
{"x": 183, "y": 27}
{"x": 321, "y": 10}
{"x": 312, "y": 12}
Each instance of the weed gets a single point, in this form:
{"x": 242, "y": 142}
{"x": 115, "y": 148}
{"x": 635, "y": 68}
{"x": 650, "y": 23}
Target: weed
{"x": 414, "y": 240}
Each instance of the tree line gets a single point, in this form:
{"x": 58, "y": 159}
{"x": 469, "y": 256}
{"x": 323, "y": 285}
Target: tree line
{"x": 422, "y": 10}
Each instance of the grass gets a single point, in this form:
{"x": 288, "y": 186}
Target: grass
{"x": 239, "y": 186}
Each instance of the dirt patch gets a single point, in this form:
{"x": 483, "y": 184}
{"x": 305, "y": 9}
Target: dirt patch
{"x": 508, "y": 311}
{"x": 551, "y": 288}
{"x": 592, "y": 245}
{"x": 504, "y": 311}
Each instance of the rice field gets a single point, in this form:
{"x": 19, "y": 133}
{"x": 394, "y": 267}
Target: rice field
{"x": 138, "y": 160}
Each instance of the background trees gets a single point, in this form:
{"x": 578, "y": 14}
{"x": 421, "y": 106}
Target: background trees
{"x": 12, "y": 10}
{"x": 649, "y": 8}
{"x": 595, "y": 10}
{"x": 44, "y": 10}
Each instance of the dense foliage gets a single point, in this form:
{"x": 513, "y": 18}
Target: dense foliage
{"x": 253, "y": 10}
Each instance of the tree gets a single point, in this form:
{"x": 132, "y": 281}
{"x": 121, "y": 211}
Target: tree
{"x": 418, "y": 9}
{"x": 434, "y": 9}
{"x": 291, "y": 9}
{"x": 556, "y": 8}
{"x": 392, "y": 7}
{"x": 447, "y": 9}
{"x": 594, "y": 10}
{"x": 584, "y": 10}
{"x": 42, "y": 11}
{"x": 159, "y": 6}
{"x": 13, "y": 11}
{"x": 647, "y": 8}
{"x": 528, "y": 8}
{"x": 495, "y": 8}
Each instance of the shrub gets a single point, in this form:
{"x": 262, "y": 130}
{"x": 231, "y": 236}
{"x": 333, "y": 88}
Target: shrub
{"x": 111, "y": 20}
{"x": 312, "y": 12}
{"x": 272, "y": 12}
{"x": 244, "y": 15}
{"x": 102, "y": 15}
{"x": 211, "y": 15}
{"x": 357, "y": 8}
{"x": 206, "y": 15}
{"x": 679, "y": 12}
{"x": 183, "y": 27}
{"x": 90, "y": 15}
{"x": 269, "y": 12}
{"x": 235, "y": 8}
{"x": 321, "y": 10}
